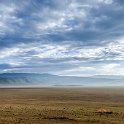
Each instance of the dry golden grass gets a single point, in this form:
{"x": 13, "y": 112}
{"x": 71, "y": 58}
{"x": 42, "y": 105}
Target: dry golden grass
{"x": 62, "y": 106}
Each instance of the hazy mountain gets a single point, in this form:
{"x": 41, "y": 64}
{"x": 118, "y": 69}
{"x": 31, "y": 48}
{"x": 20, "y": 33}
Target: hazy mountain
{"x": 30, "y": 79}
{"x": 109, "y": 76}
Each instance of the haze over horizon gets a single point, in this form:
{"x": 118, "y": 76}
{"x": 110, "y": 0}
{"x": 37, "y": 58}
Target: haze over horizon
{"x": 62, "y": 37}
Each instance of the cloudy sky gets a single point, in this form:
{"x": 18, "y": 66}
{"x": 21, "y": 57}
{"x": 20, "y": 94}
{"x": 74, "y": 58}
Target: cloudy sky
{"x": 64, "y": 37}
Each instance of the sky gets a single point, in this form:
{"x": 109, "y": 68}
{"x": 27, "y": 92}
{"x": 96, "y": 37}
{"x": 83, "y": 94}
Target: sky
{"x": 62, "y": 37}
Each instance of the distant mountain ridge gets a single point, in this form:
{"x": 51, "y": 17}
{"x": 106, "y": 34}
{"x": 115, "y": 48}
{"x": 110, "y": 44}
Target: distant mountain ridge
{"x": 22, "y": 74}
{"x": 109, "y": 76}
{"x": 35, "y": 79}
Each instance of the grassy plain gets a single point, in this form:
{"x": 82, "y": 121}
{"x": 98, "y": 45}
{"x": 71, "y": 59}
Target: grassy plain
{"x": 62, "y": 105}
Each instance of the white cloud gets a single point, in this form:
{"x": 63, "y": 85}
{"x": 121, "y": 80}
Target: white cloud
{"x": 7, "y": 52}
{"x": 106, "y": 1}
{"x": 60, "y": 20}
{"x": 75, "y": 22}
{"x": 95, "y": 69}
{"x": 111, "y": 69}
{"x": 8, "y": 18}
{"x": 78, "y": 71}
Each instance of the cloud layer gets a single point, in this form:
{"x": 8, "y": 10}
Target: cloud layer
{"x": 67, "y": 37}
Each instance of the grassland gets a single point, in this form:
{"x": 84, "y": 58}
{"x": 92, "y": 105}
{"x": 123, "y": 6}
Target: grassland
{"x": 62, "y": 105}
